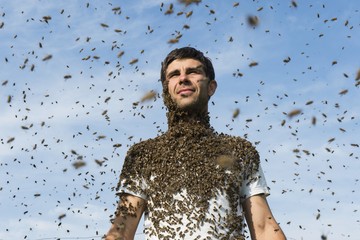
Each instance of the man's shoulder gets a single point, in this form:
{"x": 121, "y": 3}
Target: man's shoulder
{"x": 146, "y": 144}
{"x": 241, "y": 147}
{"x": 234, "y": 139}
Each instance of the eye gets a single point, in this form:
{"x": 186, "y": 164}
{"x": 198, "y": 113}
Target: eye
{"x": 173, "y": 74}
{"x": 195, "y": 71}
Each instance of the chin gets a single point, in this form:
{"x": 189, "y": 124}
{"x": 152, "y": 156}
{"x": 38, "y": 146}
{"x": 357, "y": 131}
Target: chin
{"x": 191, "y": 107}
{"x": 186, "y": 105}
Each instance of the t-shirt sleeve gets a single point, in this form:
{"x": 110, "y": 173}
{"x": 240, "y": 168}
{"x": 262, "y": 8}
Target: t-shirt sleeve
{"x": 254, "y": 185}
{"x": 131, "y": 180}
{"x": 133, "y": 187}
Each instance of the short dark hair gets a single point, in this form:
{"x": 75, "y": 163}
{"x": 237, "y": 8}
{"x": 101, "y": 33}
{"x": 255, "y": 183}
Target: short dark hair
{"x": 187, "y": 52}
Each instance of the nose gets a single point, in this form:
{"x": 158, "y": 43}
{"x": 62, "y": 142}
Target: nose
{"x": 183, "y": 78}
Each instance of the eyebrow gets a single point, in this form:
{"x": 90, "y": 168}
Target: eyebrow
{"x": 199, "y": 67}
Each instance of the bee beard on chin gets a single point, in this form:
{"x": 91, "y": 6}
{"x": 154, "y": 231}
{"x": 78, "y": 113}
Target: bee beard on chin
{"x": 194, "y": 111}
{"x": 190, "y": 114}
{"x": 193, "y": 107}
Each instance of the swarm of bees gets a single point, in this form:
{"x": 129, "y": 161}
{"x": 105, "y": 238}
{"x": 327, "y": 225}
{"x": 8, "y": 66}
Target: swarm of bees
{"x": 41, "y": 143}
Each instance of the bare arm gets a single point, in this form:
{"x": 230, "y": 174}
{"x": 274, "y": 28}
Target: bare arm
{"x": 260, "y": 220}
{"x": 128, "y": 215}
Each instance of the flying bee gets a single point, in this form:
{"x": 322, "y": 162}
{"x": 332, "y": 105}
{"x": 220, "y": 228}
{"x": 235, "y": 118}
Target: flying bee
{"x": 46, "y": 18}
{"x": 170, "y": 10}
{"x": 188, "y": 14}
{"x": 294, "y": 113}
{"x": 236, "y": 113}
{"x": 47, "y": 57}
{"x": 253, "y": 21}
{"x": 79, "y": 164}
{"x": 343, "y": 92}
{"x": 357, "y": 75}
{"x": 133, "y": 61}
{"x": 148, "y": 96}
{"x": 104, "y": 25}
{"x": 253, "y": 64}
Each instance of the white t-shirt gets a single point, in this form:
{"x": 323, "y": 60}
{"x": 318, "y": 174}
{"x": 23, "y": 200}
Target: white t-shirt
{"x": 187, "y": 227}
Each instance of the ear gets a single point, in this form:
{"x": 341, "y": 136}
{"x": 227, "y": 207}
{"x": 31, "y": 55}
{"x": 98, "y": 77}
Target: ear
{"x": 212, "y": 87}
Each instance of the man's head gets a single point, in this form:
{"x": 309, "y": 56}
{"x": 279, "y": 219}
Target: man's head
{"x": 188, "y": 80}
{"x": 188, "y": 52}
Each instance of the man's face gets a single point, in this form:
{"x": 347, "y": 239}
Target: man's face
{"x": 188, "y": 85}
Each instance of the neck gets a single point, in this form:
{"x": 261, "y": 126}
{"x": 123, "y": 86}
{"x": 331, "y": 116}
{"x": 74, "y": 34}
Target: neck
{"x": 183, "y": 123}
{"x": 179, "y": 116}
{"x": 186, "y": 121}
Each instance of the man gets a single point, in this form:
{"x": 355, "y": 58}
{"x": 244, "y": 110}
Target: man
{"x": 191, "y": 182}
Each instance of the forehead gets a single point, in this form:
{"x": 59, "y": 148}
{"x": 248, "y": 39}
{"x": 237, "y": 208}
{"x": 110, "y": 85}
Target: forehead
{"x": 184, "y": 63}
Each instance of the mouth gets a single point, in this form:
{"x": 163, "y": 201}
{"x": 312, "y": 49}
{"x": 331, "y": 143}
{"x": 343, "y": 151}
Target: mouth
{"x": 185, "y": 91}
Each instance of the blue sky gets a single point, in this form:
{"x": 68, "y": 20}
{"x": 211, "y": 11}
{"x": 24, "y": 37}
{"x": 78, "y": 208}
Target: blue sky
{"x": 81, "y": 101}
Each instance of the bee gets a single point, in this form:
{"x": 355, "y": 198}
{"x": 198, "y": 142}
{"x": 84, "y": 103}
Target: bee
{"x": 104, "y": 25}
{"x": 116, "y": 10}
{"x": 61, "y": 216}
{"x": 357, "y": 75}
{"x": 294, "y": 4}
{"x": 47, "y": 57}
{"x": 170, "y": 10}
{"x": 133, "y": 61}
{"x": 101, "y": 137}
{"x": 79, "y": 164}
{"x": 46, "y": 18}
{"x": 294, "y": 113}
{"x": 188, "y": 2}
{"x": 253, "y": 21}
{"x": 286, "y": 60}
{"x": 225, "y": 160}
{"x": 236, "y": 113}
{"x": 148, "y": 96}
{"x": 107, "y": 99}
{"x": 120, "y": 54}
{"x": 253, "y": 64}
{"x": 173, "y": 40}
{"x": 188, "y": 14}
{"x": 99, "y": 162}
{"x": 343, "y": 92}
